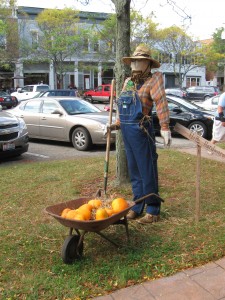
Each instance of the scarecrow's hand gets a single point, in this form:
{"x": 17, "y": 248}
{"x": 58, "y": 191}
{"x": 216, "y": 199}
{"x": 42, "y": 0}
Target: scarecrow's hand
{"x": 166, "y": 135}
{"x": 114, "y": 126}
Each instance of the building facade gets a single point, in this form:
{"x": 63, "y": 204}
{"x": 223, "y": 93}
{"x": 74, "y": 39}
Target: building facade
{"x": 88, "y": 71}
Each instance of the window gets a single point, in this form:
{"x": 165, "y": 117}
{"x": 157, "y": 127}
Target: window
{"x": 42, "y": 88}
{"x": 99, "y": 88}
{"x": 96, "y": 47}
{"x": 49, "y": 107}
{"x": 209, "y": 90}
{"x": 171, "y": 106}
{"x": 192, "y": 81}
{"x": 34, "y": 38}
{"x": 2, "y": 42}
{"x": 107, "y": 89}
{"x": 85, "y": 44}
{"x": 28, "y": 88}
{"x": 215, "y": 100}
{"x": 32, "y": 106}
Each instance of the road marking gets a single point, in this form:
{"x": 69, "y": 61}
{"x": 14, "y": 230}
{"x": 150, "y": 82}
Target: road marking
{"x": 38, "y": 155}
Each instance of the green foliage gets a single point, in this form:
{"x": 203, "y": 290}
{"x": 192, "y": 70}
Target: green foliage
{"x": 31, "y": 240}
{"x": 143, "y": 30}
{"x": 106, "y": 34}
{"x": 8, "y": 34}
{"x": 60, "y": 37}
{"x": 218, "y": 44}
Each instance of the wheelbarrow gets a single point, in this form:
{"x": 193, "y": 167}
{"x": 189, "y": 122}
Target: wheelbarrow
{"x": 73, "y": 246}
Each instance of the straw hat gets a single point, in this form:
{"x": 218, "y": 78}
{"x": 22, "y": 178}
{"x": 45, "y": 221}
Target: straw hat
{"x": 142, "y": 52}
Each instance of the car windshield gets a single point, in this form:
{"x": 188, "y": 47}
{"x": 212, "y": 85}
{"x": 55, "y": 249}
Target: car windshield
{"x": 73, "y": 107}
{"x": 3, "y": 94}
{"x": 42, "y": 88}
{"x": 187, "y": 104}
{"x": 38, "y": 95}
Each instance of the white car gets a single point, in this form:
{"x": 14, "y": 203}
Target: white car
{"x": 29, "y": 91}
{"x": 209, "y": 104}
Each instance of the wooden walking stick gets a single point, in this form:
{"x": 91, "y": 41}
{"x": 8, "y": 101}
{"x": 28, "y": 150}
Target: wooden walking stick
{"x": 106, "y": 167}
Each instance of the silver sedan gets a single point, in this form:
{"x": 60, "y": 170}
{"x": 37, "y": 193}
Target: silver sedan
{"x": 68, "y": 119}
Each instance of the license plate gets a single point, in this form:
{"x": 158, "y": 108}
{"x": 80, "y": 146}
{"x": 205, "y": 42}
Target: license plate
{"x": 7, "y": 99}
{"x": 9, "y": 146}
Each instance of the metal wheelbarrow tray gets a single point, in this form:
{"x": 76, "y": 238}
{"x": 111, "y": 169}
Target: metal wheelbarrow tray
{"x": 73, "y": 245}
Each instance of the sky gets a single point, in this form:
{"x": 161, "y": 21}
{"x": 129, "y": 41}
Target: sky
{"x": 205, "y": 15}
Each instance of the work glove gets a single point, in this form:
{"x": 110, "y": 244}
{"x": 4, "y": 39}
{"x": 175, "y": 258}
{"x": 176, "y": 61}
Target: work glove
{"x": 114, "y": 126}
{"x": 166, "y": 135}
{"x": 106, "y": 129}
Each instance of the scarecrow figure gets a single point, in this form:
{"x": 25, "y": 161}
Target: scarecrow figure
{"x": 140, "y": 92}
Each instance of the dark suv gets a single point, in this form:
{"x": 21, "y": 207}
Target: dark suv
{"x": 201, "y": 92}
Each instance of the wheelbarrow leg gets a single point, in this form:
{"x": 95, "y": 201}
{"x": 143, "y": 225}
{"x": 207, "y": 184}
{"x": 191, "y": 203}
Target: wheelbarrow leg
{"x": 126, "y": 227}
{"x": 109, "y": 240}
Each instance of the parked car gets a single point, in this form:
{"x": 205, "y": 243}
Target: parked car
{"x": 201, "y": 92}
{"x": 101, "y": 94}
{"x": 176, "y": 92}
{"x": 13, "y": 135}
{"x": 7, "y": 100}
{"x": 59, "y": 92}
{"x": 66, "y": 119}
{"x": 209, "y": 104}
{"x": 29, "y": 91}
{"x": 189, "y": 115}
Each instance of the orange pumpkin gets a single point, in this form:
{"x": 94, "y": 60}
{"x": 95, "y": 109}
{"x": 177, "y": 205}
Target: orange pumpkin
{"x": 101, "y": 214}
{"x": 85, "y": 210}
{"x": 109, "y": 211}
{"x": 86, "y": 205}
{"x": 73, "y": 214}
{"x": 95, "y": 203}
{"x": 119, "y": 204}
{"x": 79, "y": 217}
{"x": 65, "y": 212}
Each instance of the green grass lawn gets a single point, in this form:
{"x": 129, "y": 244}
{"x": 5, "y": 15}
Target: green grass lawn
{"x": 30, "y": 263}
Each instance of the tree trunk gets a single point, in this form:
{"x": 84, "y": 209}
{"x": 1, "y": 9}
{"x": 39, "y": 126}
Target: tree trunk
{"x": 122, "y": 49}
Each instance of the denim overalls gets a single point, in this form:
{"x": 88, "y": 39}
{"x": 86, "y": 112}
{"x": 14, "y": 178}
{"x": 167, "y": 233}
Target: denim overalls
{"x": 140, "y": 151}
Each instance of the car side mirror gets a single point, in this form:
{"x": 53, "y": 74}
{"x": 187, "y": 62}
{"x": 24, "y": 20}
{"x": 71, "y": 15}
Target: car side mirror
{"x": 57, "y": 111}
{"x": 177, "y": 110}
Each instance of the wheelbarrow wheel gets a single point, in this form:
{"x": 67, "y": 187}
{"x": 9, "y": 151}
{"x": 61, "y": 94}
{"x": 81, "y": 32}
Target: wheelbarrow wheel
{"x": 70, "y": 250}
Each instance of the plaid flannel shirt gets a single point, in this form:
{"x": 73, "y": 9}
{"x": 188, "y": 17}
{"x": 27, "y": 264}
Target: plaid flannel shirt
{"x": 153, "y": 90}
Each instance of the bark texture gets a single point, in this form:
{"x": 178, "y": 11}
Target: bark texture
{"x": 122, "y": 8}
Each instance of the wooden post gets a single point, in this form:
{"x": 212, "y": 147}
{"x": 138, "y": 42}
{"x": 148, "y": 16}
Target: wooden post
{"x": 200, "y": 142}
{"x": 198, "y": 172}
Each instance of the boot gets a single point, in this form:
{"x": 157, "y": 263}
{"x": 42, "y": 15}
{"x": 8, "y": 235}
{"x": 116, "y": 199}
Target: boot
{"x": 148, "y": 219}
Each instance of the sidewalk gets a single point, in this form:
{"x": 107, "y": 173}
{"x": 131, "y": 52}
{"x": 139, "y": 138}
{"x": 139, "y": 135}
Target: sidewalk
{"x": 204, "y": 283}
{"x": 204, "y": 153}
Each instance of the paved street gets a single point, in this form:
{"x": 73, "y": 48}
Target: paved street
{"x": 42, "y": 150}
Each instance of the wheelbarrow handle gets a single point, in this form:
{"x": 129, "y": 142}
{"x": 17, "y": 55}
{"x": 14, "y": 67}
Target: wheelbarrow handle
{"x": 99, "y": 192}
{"x": 146, "y": 196}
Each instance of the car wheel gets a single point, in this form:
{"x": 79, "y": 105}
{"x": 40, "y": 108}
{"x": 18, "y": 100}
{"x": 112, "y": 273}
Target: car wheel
{"x": 81, "y": 139}
{"x": 199, "y": 128}
{"x": 206, "y": 97}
